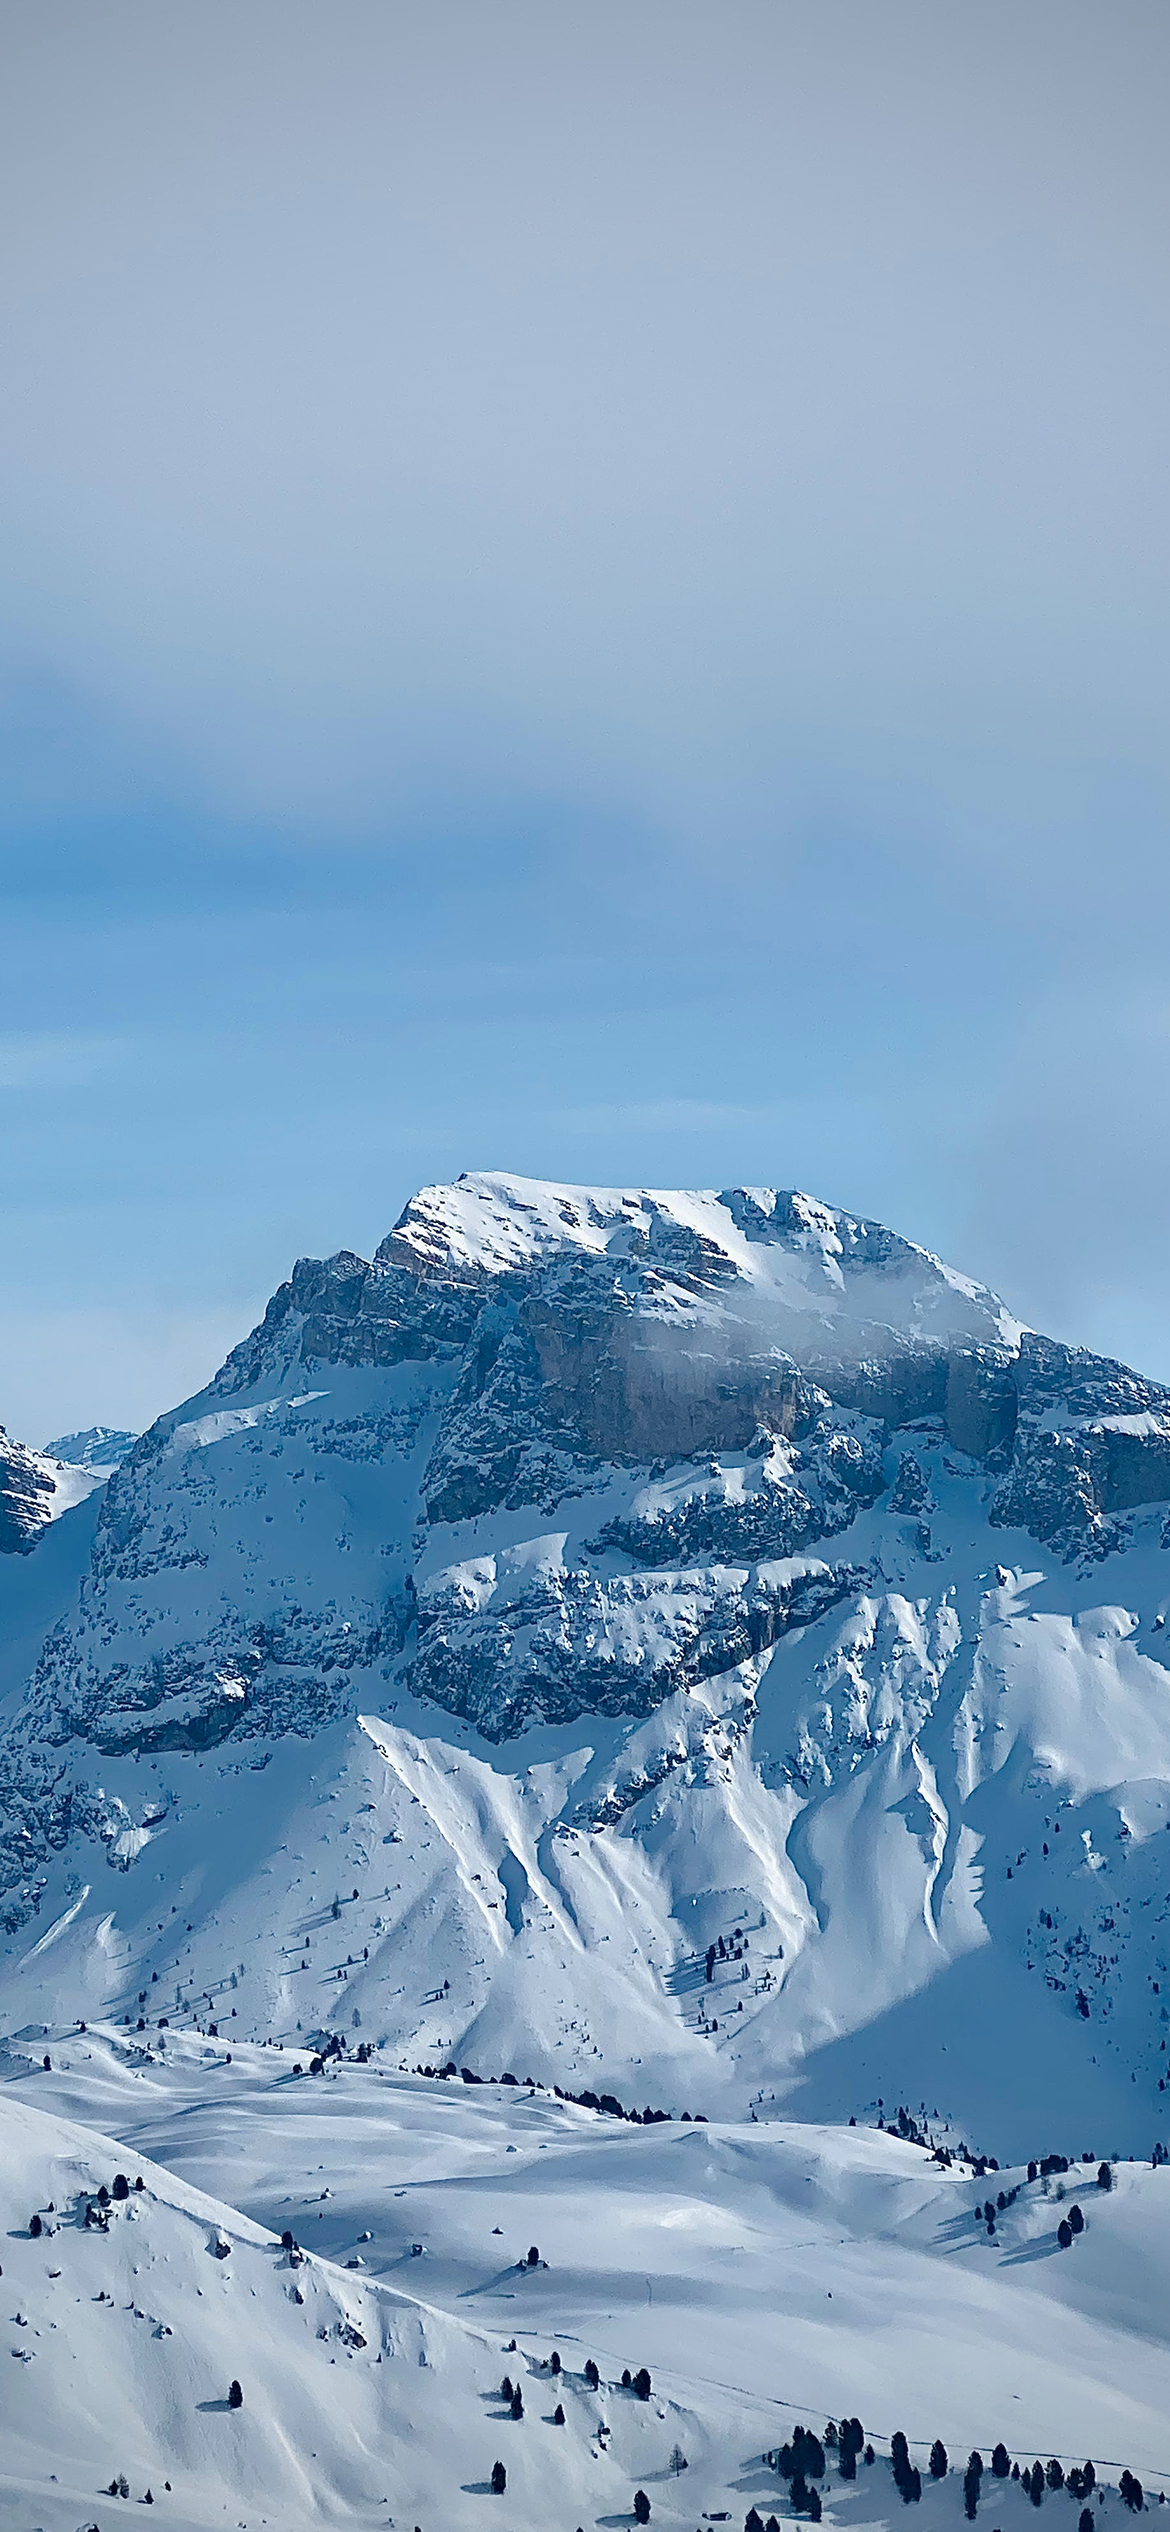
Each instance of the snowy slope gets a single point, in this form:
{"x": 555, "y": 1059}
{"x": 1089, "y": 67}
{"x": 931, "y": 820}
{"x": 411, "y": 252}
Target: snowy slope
{"x": 361, "y": 2402}
{"x": 764, "y": 2275}
{"x": 597, "y": 1577}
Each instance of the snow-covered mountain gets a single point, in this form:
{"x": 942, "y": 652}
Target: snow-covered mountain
{"x": 36, "y": 1487}
{"x": 27, "y": 1488}
{"x": 99, "y": 1446}
{"x": 695, "y": 1644}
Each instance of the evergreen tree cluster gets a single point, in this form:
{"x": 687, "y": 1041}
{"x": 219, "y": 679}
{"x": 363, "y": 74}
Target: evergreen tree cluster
{"x": 606, "y": 2102}
{"x": 802, "y": 2462}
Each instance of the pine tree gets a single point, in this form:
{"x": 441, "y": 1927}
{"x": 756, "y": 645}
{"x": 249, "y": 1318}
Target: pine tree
{"x": 558, "y": 2415}
{"x": 938, "y": 2460}
{"x": 235, "y": 2397}
{"x": 499, "y": 2479}
{"x": 753, "y": 2522}
{"x": 1076, "y": 2220}
{"x": 811, "y": 2453}
{"x": 849, "y": 2443}
{"x": 592, "y": 2376}
{"x": 1000, "y": 2462}
{"x": 641, "y": 2506}
{"x": 814, "y": 2504}
{"x": 517, "y": 2402}
{"x": 1104, "y": 2176}
{"x": 1054, "y": 2474}
{"x": 642, "y": 2383}
{"x": 1064, "y": 2235}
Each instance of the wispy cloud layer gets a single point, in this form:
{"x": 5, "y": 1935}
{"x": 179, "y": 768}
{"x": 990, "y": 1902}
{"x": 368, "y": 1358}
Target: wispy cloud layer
{"x": 583, "y": 591}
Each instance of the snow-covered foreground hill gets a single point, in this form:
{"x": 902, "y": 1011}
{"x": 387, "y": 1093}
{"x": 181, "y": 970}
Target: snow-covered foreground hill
{"x": 763, "y": 2275}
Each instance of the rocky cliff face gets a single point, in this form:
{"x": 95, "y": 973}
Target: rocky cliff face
{"x": 714, "y": 1523}
{"x": 27, "y": 1486}
{"x": 702, "y": 1388}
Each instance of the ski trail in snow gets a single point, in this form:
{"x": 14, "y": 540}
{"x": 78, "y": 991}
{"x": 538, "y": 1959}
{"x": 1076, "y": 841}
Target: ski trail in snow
{"x": 58, "y": 1926}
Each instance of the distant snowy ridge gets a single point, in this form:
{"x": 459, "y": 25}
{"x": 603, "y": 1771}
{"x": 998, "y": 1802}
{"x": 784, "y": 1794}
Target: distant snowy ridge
{"x": 100, "y": 1446}
{"x": 36, "y": 1487}
{"x": 698, "y": 1563}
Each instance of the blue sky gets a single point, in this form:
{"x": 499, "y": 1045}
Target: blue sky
{"x": 584, "y": 592}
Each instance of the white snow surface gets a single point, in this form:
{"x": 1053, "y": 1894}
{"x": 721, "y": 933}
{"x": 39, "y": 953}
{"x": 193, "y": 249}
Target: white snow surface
{"x": 765, "y": 2276}
{"x": 823, "y": 1273}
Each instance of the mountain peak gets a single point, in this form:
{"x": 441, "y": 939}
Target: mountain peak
{"x": 805, "y": 1266}
{"x": 98, "y": 1446}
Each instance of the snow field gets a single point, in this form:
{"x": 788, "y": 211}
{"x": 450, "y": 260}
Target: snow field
{"x": 763, "y": 2275}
